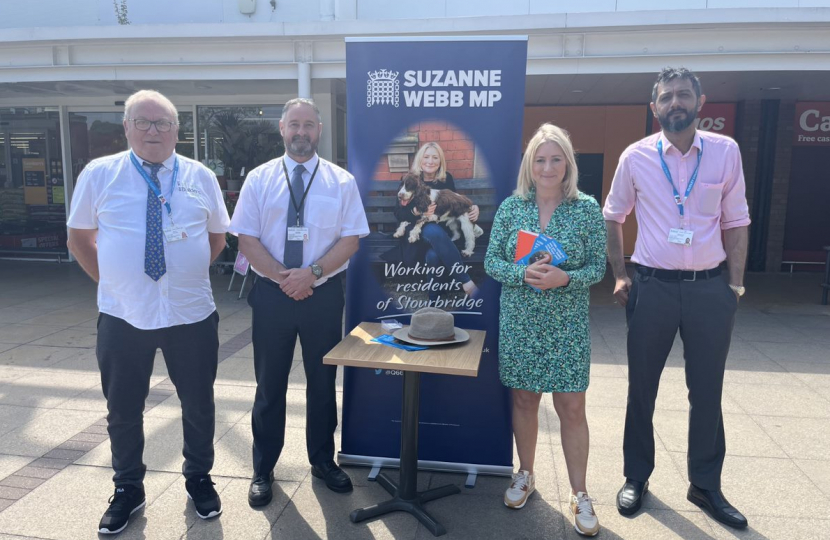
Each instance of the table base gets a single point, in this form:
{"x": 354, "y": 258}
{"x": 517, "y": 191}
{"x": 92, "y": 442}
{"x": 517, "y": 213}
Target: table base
{"x": 406, "y": 497}
{"x": 413, "y": 506}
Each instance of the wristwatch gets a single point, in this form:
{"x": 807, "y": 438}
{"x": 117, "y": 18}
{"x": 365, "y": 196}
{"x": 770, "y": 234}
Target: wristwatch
{"x": 739, "y": 289}
{"x": 317, "y": 270}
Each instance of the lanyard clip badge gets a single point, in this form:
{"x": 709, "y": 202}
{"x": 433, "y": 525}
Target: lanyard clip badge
{"x": 683, "y": 235}
{"x": 680, "y": 201}
{"x": 298, "y": 233}
{"x": 173, "y": 232}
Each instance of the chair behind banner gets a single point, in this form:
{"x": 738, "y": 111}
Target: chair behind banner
{"x": 243, "y": 267}
{"x": 380, "y": 211}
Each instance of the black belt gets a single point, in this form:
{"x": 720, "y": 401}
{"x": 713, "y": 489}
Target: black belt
{"x": 678, "y": 275}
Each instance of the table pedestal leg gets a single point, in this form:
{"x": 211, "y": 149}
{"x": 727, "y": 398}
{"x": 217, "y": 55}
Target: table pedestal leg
{"x": 405, "y": 496}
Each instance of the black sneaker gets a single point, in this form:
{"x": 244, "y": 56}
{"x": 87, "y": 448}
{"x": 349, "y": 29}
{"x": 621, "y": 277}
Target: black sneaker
{"x": 126, "y": 500}
{"x": 205, "y": 499}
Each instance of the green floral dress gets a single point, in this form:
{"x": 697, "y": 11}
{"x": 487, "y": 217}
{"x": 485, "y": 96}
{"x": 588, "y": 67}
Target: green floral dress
{"x": 544, "y": 337}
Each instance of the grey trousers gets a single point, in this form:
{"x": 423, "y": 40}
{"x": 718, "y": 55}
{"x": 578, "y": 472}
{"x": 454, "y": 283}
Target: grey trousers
{"x": 704, "y": 313}
{"x": 125, "y": 358}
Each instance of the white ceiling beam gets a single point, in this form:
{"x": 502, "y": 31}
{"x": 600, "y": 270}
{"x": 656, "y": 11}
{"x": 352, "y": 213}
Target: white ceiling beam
{"x": 640, "y": 50}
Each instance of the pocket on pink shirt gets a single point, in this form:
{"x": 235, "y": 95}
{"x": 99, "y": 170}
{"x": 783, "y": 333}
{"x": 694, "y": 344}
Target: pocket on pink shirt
{"x": 709, "y": 198}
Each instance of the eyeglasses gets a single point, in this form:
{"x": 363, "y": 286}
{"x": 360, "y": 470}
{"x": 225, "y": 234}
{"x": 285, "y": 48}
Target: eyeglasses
{"x": 162, "y": 126}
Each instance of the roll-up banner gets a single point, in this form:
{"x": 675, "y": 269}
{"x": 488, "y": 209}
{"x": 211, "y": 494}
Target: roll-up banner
{"x": 412, "y": 103}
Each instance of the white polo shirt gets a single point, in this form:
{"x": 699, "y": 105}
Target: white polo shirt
{"x": 111, "y": 196}
{"x": 332, "y": 209}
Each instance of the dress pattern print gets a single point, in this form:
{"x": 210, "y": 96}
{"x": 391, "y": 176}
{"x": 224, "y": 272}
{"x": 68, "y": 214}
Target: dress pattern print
{"x": 544, "y": 337}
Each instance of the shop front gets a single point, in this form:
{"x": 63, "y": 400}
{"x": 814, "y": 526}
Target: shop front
{"x": 34, "y": 187}
{"x": 32, "y": 196}
{"x": 807, "y": 228}
{"x": 600, "y": 134}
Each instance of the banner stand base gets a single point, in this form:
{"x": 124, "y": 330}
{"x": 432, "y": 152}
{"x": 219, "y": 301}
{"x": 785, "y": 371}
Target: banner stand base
{"x": 470, "y": 469}
{"x": 470, "y": 483}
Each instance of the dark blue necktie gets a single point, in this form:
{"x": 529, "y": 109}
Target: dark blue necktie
{"x": 293, "y": 256}
{"x": 154, "y": 265}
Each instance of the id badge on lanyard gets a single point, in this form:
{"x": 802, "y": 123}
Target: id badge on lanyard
{"x": 681, "y": 236}
{"x": 173, "y": 232}
{"x": 298, "y": 233}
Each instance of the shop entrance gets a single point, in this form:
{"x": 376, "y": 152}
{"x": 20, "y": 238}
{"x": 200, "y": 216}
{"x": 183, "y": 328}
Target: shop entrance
{"x": 32, "y": 197}
{"x": 590, "y": 174}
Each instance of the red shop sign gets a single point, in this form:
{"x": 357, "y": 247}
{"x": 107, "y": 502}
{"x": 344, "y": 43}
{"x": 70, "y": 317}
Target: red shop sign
{"x": 812, "y": 124}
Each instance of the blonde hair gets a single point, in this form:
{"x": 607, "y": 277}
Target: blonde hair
{"x": 150, "y": 95}
{"x": 441, "y": 173}
{"x": 545, "y": 134}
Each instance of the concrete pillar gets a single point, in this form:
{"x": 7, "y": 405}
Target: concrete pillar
{"x": 304, "y": 79}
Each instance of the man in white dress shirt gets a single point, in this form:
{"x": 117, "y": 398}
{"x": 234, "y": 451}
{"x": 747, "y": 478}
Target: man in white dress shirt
{"x": 146, "y": 224}
{"x": 299, "y": 219}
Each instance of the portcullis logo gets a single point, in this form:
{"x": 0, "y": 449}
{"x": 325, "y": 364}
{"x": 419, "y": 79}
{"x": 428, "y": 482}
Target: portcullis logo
{"x": 383, "y": 88}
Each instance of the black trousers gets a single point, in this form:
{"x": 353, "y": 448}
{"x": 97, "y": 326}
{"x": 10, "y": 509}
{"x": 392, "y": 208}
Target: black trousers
{"x": 277, "y": 321}
{"x": 704, "y": 313}
{"x": 125, "y": 358}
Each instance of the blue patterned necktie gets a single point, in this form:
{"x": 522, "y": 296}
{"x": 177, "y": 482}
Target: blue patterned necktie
{"x": 293, "y": 256}
{"x": 154, "y": 265}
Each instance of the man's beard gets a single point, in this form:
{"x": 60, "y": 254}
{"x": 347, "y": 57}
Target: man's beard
{"x": 302, "y": 146}
{"x": 678, "y": 125}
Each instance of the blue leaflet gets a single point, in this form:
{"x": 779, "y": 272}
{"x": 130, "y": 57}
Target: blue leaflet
{"x": 388, "y": 339}
{"x": 544, "y": 243}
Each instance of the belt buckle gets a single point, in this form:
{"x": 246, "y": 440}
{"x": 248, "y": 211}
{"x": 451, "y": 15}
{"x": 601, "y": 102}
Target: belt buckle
{"x": 694, "y": 276}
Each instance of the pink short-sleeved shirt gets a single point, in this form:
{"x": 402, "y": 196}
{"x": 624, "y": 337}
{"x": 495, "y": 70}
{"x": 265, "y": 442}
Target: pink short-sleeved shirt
{"x": 717, "y": 200}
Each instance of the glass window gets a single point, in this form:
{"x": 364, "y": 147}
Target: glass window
{"x": 32, "y": 202}
{"x": 234, "y": 140}
{"x": 97, "y": 134}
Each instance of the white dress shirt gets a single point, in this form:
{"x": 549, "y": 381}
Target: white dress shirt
{"x": 111, "y": 196}
{"x": 332, "y": 209}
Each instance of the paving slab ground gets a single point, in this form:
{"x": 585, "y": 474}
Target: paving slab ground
{"x": 54, "y": 453}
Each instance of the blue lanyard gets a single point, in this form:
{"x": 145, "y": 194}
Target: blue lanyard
{"x": 680, "y": 202}
{"x": 152, "y": 185}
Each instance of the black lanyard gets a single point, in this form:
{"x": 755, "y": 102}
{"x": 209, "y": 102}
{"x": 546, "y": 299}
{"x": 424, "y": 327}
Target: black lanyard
{"x": 299, "y": 207}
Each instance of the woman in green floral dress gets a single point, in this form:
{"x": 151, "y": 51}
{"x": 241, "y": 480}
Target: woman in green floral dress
{"x": 544, "y": 336}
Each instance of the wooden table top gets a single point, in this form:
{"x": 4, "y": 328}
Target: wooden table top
{"x": 357, "y": 350}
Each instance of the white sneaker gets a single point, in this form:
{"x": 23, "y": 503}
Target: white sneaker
{"x": 585, "y": 519}
{"x": 524, "y": 483}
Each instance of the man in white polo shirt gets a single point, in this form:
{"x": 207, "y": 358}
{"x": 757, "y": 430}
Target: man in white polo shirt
{"x": 146, "y": 224}
{"x": 299, "y": 219}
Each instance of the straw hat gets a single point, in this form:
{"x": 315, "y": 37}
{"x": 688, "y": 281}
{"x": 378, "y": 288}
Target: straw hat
{"x": 431, "y": 326}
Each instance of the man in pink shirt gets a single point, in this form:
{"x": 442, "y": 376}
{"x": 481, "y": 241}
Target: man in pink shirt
{"x": 688, "y": 189}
